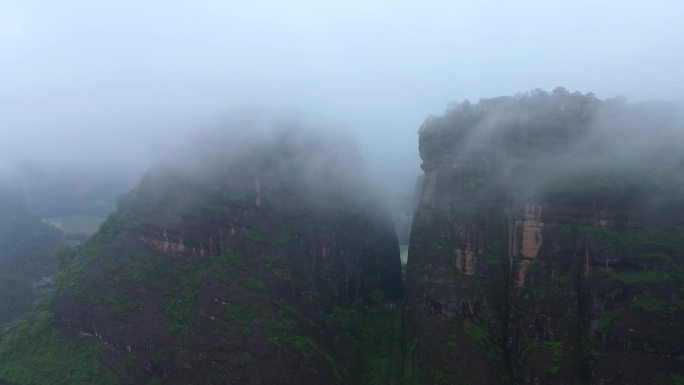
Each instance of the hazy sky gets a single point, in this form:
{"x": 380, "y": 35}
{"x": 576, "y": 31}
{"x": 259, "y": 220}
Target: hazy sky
{"x": 103, "y": 82}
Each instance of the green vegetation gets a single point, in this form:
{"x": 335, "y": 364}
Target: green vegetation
{"x": 128, "y": 273}
{"x": 280, "y": 328}
{"x": 184, "y": 280}
{"x": 253, "y": 284}
{"x": 646, "y": 252}
{"x": 180, "y": 307}
{"x": 492, "y": 260}
{"x": 231, "y": 261}
{"x": 280, "y": 323}
{"x": 283, "y": 238}
{"x": 408, "y": 375}
{"x": 68, "y": 276}
{"x": 590, "y": 350}
{"x": 123, "y": 368}
{"x": 236, "y": 311}
{"x": 652, "y": 245}
{"x": 36, "y": 353}
{"x": 374, "y": 334}
{"x": 178, "y": 281}
{"x": 608, "y": 319}
{"x": 555, "y": 347}
{"x": 491, "y": 349}
{"x": 655, "y": 257}
{"x": 281, "y": 274}
{"x": 554, "y": 350}
{"x": 677, "y": 379}
{"x": 477, "y": 332}
{"x": 561, "y": 280}
{"x": 551, "y": 369}
{"x": 538, "y": 293}
{"x": 439, "y": 377}
{"x": 255, "y": 236}
{"x": 640, "y": 276}
{"x": 665, "y": 306}
{"x": 376, "y": 296}
{"x": 276, "y": 266}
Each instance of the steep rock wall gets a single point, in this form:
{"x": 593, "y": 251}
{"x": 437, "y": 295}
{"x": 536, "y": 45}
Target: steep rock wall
{"x": 512, "y": 279}
{"x": 243, "y": 274}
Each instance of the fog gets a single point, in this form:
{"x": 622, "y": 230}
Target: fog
{"x": 539, "y": 141}
{"x": 284, "y": 152}
{"x": 109, "y": 87}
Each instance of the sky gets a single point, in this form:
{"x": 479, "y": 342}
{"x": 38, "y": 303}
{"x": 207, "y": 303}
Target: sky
{"x": 105, "y": 84}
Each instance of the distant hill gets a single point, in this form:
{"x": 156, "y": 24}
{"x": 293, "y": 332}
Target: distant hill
{"x": 26, "y": 247}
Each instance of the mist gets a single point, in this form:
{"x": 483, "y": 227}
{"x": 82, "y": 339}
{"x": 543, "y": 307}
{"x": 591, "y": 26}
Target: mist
{"x": 103, "y": 88}
{"x": 284, "y": 152}
{"x": 539, "y": 146}
{"x": 227, "y": 191}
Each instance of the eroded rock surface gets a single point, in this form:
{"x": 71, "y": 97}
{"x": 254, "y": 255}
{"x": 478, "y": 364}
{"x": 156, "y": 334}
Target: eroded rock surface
{"x": 528, "y": 266}
{"x": 244, "y": 273}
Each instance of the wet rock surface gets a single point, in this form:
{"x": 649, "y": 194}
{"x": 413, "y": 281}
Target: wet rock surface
{"x": 521, "y": 271}
{"x": 237, "y": 275}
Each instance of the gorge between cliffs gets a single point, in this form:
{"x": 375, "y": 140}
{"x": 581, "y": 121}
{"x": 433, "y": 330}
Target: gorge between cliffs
{"x": 546, "y": 247}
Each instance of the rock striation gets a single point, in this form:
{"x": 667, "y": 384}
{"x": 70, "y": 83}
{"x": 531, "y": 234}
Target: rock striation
{"x": 542, "y": 252}
{"x": 238, "y": 272}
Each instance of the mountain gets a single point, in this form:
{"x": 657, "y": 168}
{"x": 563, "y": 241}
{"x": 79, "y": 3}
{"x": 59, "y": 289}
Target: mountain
{"x": 265, "y": 261}
{"x": 26, "y": 247}
{"x": 547, "y": 247}
{"x": 548, "y": 244}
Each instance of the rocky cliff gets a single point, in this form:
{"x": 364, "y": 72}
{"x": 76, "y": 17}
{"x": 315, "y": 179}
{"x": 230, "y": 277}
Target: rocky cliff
{"x": 267, "y": 266}
{"x": 545, "y": 252}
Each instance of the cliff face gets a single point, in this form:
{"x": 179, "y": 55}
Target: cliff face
{"x": 244, "y": 274}
{"x": 543, "y": 251}
{"x": 527, "y": 268}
